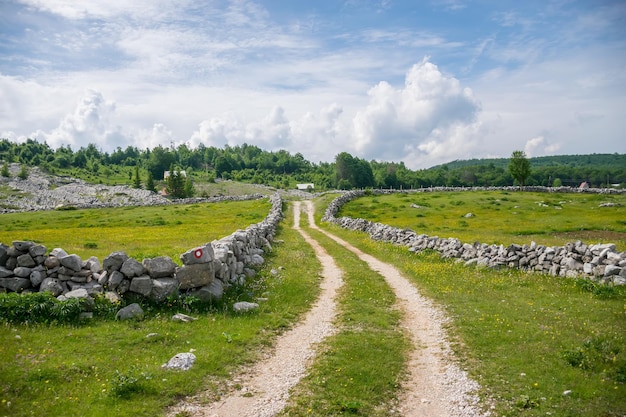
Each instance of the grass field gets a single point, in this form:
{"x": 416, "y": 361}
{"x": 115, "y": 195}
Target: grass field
{"x": 141, "y": 232}
{"x": 109, "y": 368}
{"x": 500, "y": 217}
{"x": 526, "y": 338}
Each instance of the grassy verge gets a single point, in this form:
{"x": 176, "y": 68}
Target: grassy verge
{"x": 141, "y": 232}
{"x": 538, "y": 345}
{"x": 105, "y": 368}
{"x": 501, "y": 217}
{"x": 359, "y": 368}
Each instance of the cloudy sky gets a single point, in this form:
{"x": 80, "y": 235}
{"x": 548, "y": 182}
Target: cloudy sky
{"x": 424, "y": 82}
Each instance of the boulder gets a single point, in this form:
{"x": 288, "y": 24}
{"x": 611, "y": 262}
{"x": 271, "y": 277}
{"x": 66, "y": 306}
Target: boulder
{"x": 3, "y": 254}
{"x": 15, "y": 284}
{"x": 58, "y": 253}
{"x": 93, "y": 264}
{"x": 132, "y": 311}
{"x": 115, "y": 279}
{"x": 132, "y": 268}
{"x": 610, "y": 270}
{"x": 196, "y": 275}
{"x": 113, "y": 297}
{"x": 160, "y": 267}
{"x": 51, "y": 285}
{"x": 22, "y": 272}
{"x": 26, "y": 260}
{"x": 163, "y": 288}
{"x": 78, "y": 293}
{"x": 141, "y": 285}
{"x": 181, "y": 361}
{"x": 23, "y": 245}
{"x": 72, "y": 262}
{"x": 114, "y": 261}
{"x": 199, "y": 255}
{"x": 124, "y": 286}
{"x": 37, "y": 277}
{"x": 52, "y": 262}
{"x": 211, "y": 292}
{"x": 37, "y": 250}
{"x": 5, "y": 273}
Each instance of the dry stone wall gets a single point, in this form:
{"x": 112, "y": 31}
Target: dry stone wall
{"x": 206, "y": 272}
{"x": 600, "y": 262}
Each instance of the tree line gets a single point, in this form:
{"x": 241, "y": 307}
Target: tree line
{"x": 281, "y": 169}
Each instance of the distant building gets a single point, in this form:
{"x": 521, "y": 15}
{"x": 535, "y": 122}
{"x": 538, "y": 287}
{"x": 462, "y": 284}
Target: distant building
{"x": 166, "y": 174}
{"x": 306, "y": 187}
{"x": 584, "y": 185}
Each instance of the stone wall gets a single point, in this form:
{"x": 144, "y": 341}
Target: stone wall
{"x": 206, "y": 271}
{"x": 600, "y": 262}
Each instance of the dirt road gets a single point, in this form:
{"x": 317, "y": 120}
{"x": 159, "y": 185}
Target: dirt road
{"x": 436, "y": 386}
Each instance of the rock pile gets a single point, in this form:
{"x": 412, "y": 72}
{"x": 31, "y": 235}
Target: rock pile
{"x": 207, "y": 270}
{"x": 41, "y": 191}
{"x": 600, "y": 262}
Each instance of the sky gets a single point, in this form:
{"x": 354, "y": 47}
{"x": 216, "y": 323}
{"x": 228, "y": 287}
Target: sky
{"x": 422, "y": 82}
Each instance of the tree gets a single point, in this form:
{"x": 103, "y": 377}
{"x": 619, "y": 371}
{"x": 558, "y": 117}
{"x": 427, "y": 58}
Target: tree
{"x": 23, "y": 172}
{"x": 519, "y": 167}
{"x": 137, "y": 178}
{"x": 150, "y": 182}
{"x": 175, "y": 183}
{"x": 5, "y": 170}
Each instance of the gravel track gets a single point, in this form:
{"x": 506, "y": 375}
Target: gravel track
{"x": 435, "y": 386}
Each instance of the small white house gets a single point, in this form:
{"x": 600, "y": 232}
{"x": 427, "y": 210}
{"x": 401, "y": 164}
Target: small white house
{"x": 166, "y": 174}
{"x": 306, "y": 187}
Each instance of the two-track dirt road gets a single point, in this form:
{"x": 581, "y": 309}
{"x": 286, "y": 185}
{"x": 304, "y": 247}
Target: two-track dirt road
{"x": 435, "y": 387}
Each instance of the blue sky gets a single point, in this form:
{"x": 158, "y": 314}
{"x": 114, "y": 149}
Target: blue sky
{"x": 424, "y": 82}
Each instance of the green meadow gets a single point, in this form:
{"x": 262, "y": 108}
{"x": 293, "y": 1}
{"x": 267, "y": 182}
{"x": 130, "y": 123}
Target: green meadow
{"x": 500, "y": 217}
{"x": 105, "y": 367}
{"x": 141, "y": 232}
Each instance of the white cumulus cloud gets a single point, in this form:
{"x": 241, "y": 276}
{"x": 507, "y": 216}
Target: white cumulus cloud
{"x": 539, "y": 146}
{"x": 431, "y": 117}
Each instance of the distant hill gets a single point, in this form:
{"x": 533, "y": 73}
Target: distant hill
{"x": 606, "y": 160}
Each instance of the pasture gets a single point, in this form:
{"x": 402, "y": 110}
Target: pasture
{"x": 500, "y": 217}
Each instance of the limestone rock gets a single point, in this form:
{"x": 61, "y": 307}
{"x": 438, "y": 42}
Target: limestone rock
{"x": 15, "y": 284}
{"x": 37, "y": 250}
{"x": 160, "y": 267}
{"x": 244, "y": 306}
{"x": 72, "y": 262}
{"x": 163, "y": 288}
{"x": 114, "y": 261}
{"x": 210, "y": 293}
{"x": 181, "y": 361}
{"x": 132, "y": 268}
{"x": 78, "y": 293}
{"x": 141, "y": 285}
{"x": 22, "y": 245}
{"x": 196, "y": 275}
{"x": 199, "y": 255}
{"x": 5, "y": 273}
{"x": 26, "y": 260}
{"x": 22, "y": 272}
{"x": 51, "y": 285}
{"x": 115, "y": 279}
{"x": 183, "y": 318}
{"x": 132, "y": 311}
{"x": 58, "y": 253}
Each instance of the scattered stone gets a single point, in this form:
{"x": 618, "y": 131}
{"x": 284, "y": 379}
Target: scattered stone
{"x": 469, "y": 215}
{"x": 244, "y": 306}
{"x": 181, "y": 361}
{"x": 180, "y": 317}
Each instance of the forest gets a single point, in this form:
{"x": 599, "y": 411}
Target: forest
{"x": 281, "y": 169}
